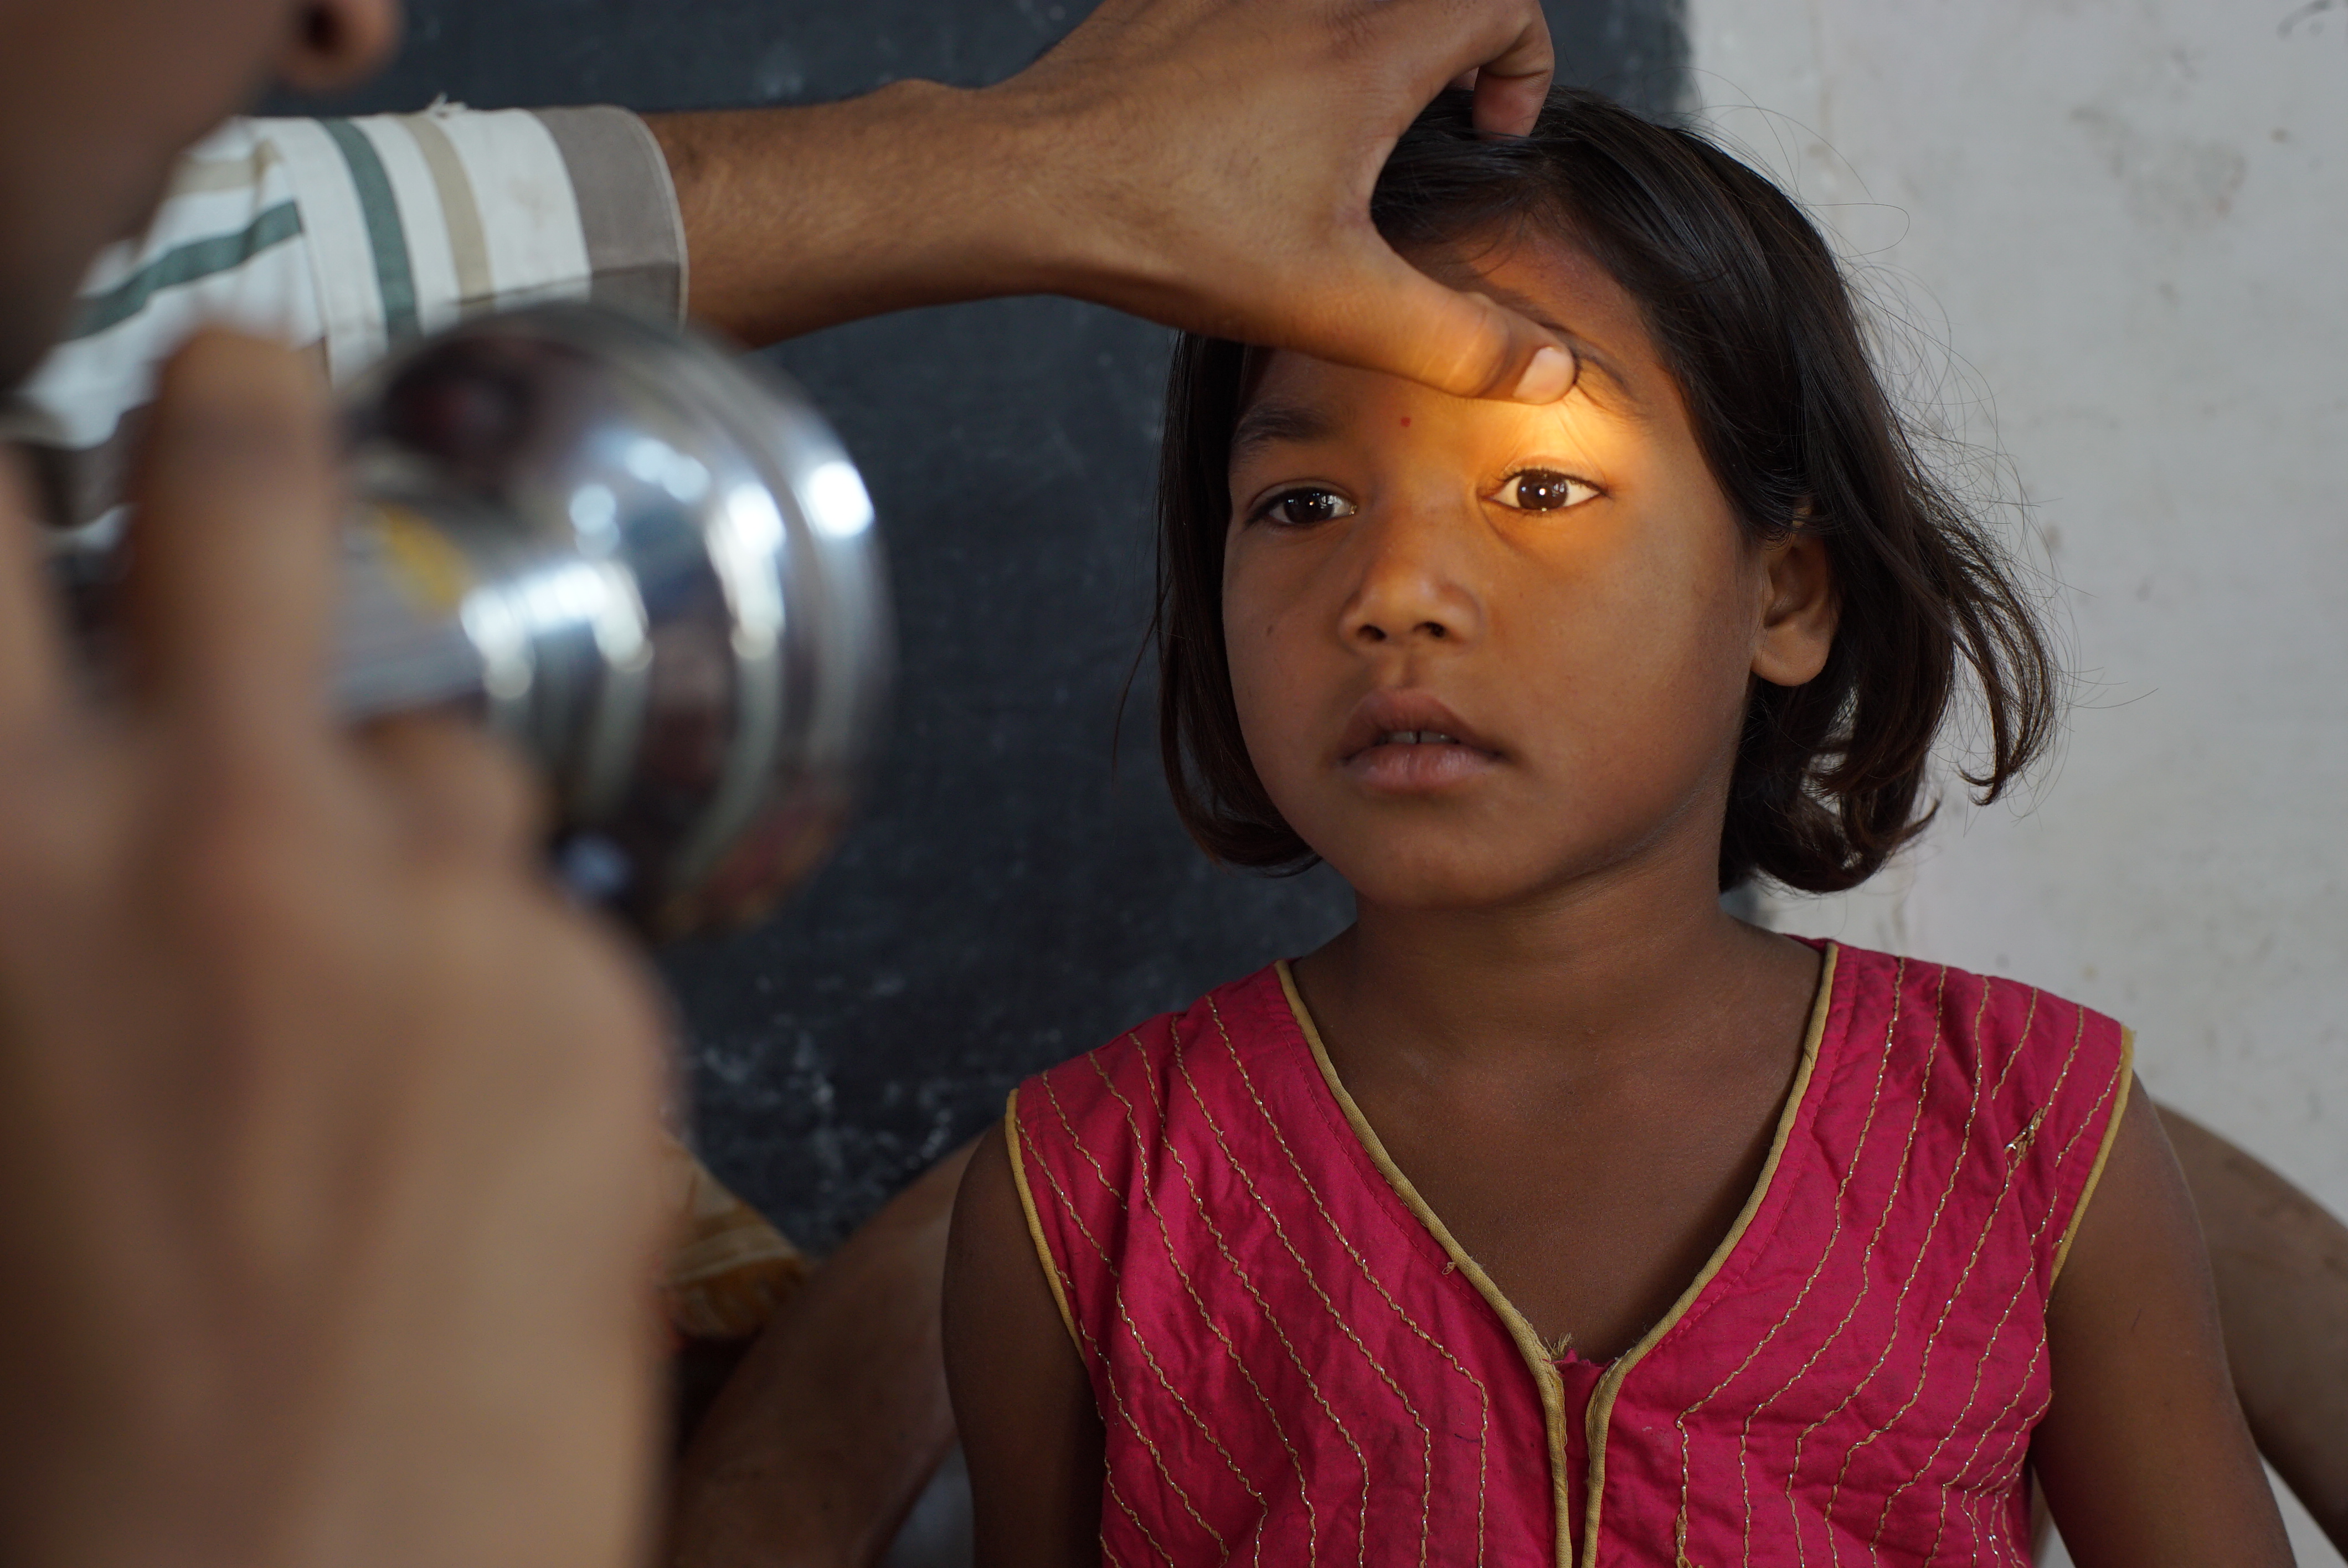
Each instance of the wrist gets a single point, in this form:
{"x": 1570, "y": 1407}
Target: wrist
{"x": 1066, "y": 216}
{"x": 980, "y": 211}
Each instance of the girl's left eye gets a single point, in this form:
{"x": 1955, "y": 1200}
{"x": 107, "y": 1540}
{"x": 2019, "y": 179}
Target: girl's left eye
{"x": 1544, "y": 490}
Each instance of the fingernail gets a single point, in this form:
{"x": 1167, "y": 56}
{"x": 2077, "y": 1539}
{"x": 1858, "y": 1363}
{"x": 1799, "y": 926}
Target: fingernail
{"x": 1547, "y": 378}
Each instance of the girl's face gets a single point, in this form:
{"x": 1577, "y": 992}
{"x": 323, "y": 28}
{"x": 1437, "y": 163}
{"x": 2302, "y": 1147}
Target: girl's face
{"x": 1481, "y": 650}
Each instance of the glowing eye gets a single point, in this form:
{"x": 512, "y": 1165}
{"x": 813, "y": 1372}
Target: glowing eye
{"x": 1304, "y": 508}
{"x": 1544, "y": 490}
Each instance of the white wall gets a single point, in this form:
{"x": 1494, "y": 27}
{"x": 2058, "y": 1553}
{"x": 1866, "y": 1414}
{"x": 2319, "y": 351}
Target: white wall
{"x": 2126, "y": 220}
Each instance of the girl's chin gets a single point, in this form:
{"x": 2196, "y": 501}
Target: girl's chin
{"x": 1392, "y": 877}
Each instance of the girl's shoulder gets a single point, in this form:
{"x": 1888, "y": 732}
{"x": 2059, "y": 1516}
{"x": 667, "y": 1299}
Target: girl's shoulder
{"x": 1878, "y": 1002}
{"x": 1939, "y": 1060}
{"x": 1224, "y": 1042}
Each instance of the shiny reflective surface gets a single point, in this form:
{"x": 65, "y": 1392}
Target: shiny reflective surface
{"x": 652, "y": 568}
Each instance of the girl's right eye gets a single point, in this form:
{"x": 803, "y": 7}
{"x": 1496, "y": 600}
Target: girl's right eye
{"x": 1304, "y": 508}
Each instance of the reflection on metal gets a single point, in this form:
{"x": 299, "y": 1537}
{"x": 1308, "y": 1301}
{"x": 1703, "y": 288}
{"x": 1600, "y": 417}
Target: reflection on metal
{"x": 651, "y": 568}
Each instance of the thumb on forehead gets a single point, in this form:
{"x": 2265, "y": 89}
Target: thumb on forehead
{"x": 1379, "y": 312}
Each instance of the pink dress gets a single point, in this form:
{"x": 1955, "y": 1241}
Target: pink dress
{"x": 1296, "y": 1364}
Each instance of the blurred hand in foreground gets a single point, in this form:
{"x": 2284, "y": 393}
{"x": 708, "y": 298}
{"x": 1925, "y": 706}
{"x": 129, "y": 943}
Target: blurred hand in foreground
{"x": 327, "y": 1132}
{"x": 1205, "y": 164}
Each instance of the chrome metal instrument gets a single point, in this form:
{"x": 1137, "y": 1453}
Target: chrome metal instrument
{"x": 648, "y": 563}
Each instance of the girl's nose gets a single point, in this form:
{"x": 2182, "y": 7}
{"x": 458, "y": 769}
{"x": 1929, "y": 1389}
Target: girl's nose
{"x": 1412, "y": 583}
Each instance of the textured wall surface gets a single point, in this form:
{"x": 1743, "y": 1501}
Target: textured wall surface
{"x": 1006, "y": 900}
{"x": 2124, "y": 218}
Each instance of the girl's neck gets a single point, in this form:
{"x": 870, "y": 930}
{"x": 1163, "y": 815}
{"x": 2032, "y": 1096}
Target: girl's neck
{"x": 1610, "y": 964}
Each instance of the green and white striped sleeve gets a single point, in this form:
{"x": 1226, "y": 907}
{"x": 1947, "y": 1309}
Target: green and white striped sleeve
{"x": 346, "y": 237}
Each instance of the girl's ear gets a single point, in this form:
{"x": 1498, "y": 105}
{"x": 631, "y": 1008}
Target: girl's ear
{"x": 1799, "y": 607}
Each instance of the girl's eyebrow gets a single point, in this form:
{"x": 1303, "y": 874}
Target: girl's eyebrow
{"x": 1275, "y": 420}
{"x": 1585, "y": 353}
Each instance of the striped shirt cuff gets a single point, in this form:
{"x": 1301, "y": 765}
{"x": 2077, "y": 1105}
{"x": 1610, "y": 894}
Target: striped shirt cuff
{"x": 419, "y": 221}
{"x": 348, "y": 237}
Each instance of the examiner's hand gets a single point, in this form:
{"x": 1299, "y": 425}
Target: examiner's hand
{"x": 1205, "y": 163}
{"x": 1212, "y": 165}
{"x": 326, "y": 1130}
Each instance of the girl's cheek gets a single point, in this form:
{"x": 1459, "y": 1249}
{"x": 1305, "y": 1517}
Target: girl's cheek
{"x": 1254, "y": 608}
{"x": 1250, "y": 646}
{"x": 1272, "y": 676}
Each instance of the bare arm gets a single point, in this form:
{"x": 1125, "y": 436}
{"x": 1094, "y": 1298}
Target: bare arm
{"x": 2281, "y": 1267}
{"x": 2144, "y": 1455}
{"x": 1030, "y": 1430}
{"x": 1202, "y": 164}
{"x": 825, "y": 1434}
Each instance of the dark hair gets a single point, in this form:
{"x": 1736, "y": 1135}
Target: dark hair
{"x": 1753, "y": 320}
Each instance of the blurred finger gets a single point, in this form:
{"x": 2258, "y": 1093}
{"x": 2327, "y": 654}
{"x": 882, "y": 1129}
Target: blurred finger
{"x": 30, "y": 653}
{"x": 458, "y": 790}
{"x": 234, "y": 544}
{"x": 1395, "y": 318}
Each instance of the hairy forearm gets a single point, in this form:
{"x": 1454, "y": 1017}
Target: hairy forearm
{"x": 802, "y": 218}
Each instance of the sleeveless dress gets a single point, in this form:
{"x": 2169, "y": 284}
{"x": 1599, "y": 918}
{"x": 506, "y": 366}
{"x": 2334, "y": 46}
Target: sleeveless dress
{"x": 1295, "y": 1363}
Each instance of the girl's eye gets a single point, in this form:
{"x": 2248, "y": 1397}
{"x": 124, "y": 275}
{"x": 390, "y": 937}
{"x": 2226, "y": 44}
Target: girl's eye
{"x": 1544, "y": 490}
{"x": 1304, "y": 508}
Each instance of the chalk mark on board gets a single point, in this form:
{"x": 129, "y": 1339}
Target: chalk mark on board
{"x": 2308, "y": 13}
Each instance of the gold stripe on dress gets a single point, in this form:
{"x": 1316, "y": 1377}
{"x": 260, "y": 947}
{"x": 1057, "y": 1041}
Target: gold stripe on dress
{"x": 1527, "y": 1339}
{"x": 1981, "y": 1094}
{"x": 1866, "y": 1278}
{"x": 1425, "y": 1436}
{"x": 2125, "y": 1078}
{"x": 1964, "y": 1278}
{"x": 1602, "y": 1403}
{"x": 1362, "y": 1510}
{"x": 1100, "y": 1355}
{"x": 2023, "y": 1384}
{"x": 1222, "y": 1246}
{"x": 1833, "y": 1239}
{"x": 1483, "y": 1394}
{"x": 2022, "y": 1285}
{"x": 1036, "y": 1225}
{"x": 1206, "y": 1314}
{"x": 1156, "y": 1369}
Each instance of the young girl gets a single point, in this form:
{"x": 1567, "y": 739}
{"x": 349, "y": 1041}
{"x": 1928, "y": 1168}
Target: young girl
{"x": 1549, "y": 1214}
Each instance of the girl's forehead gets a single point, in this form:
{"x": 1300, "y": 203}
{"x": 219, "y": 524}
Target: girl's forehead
{"x": 1553, "y": 283}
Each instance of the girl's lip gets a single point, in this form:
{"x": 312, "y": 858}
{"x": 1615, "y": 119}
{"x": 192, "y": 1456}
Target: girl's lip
{"x": 1421, "y": 767}
{"x": 1411, "y": 742}
{"x": 1383, "y": 717}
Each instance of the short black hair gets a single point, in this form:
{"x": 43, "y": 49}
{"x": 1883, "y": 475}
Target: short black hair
{"x": 1755, "y": 321}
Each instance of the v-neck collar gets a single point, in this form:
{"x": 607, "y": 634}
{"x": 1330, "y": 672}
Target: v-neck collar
{"x": 1527, "y": 1339}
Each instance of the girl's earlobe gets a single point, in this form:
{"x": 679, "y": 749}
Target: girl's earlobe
{"x": 1799, "y": 609}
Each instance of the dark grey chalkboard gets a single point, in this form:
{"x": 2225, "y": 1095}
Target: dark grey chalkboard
{"x": 1012, "y": 893}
